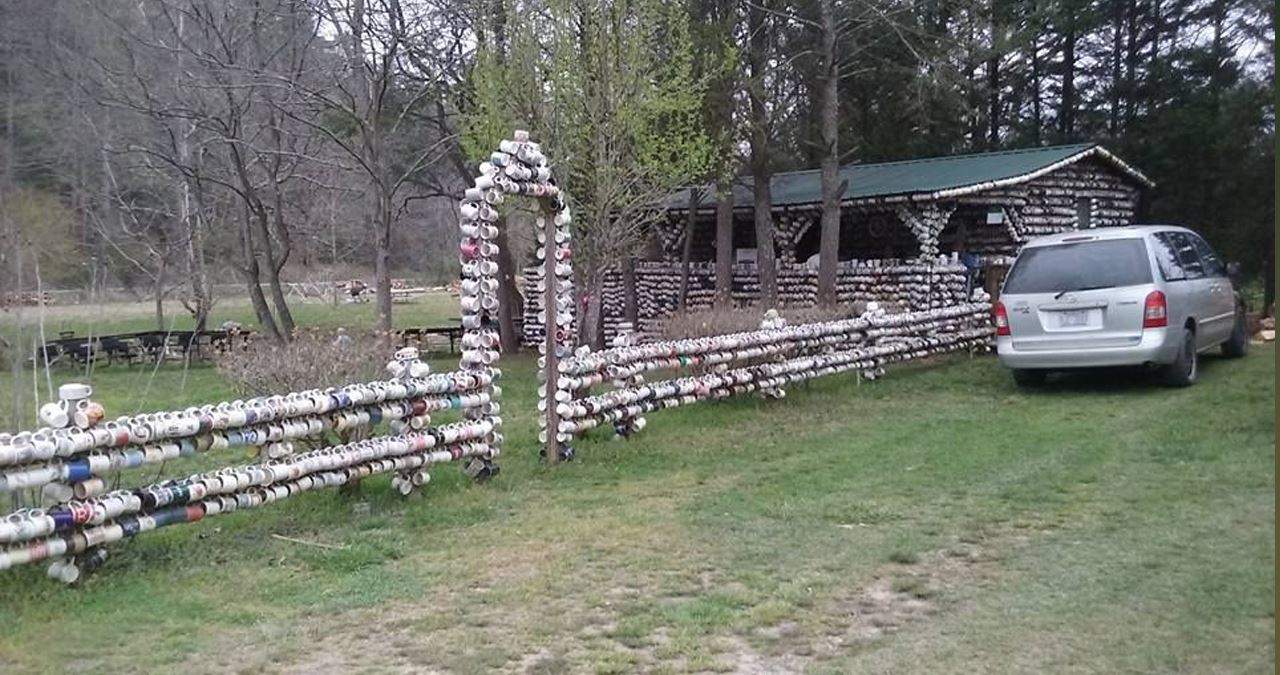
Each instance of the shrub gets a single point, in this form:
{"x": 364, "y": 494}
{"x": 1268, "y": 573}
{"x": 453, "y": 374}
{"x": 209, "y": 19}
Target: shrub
{"x": 316, "y": 359}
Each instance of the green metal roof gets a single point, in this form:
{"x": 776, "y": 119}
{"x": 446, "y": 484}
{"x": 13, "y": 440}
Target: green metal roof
{"x": 933, "y": 177}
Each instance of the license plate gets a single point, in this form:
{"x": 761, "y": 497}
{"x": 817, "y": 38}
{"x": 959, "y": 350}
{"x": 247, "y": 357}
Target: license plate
{"x": 1073, "y": 319}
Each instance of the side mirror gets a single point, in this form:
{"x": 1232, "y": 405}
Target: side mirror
{"x": 1233, "y": 272}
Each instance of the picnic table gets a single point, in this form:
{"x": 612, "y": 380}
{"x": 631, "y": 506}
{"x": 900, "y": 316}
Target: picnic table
{"x": 418, "y": 337}
{"x": 154, "y": 346}
{"x": 141, "y": 347}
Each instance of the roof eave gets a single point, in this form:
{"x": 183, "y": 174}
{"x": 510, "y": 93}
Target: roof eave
{"x": 1122, "y": 165}
{"x": 1032, "y": 175}
{"x": 965, "y": 190}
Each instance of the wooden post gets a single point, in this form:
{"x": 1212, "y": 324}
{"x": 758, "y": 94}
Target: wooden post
{"x": 690, "y": 225}
{"x": 552, "y": 357}
{"x": 724, "y": 245}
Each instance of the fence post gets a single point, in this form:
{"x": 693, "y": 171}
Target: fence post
{"x": 549, "y": 339}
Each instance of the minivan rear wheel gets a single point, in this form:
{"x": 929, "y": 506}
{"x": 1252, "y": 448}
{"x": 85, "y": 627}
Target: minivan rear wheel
{"x": 1238, "y": 344}
{"x": 1024, "y": 377}
{"x": 1183, "y": 371}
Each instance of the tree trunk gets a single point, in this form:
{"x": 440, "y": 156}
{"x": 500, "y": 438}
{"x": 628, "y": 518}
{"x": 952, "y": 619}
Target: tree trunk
{"x": 973, "y": 108}
{"x": 193, "y": 220}
{"x": 509, "y": 301}
{"x": 1269, "y": 282}
{"x": 259, "y": 302}
{"x": 284, "y": 316}
{"x": 766, "y": 261}
{"x": 7, "y": 176}
{"x": 368, "y": 102}
{"x": 281, "y": 232}
{"x": 690, "y": 225}
{"x": 1037, "y": 115}
{"x": 1213, "y": 159}
{"x": 829, "y": 245}
{"x": 159, "y": 291}
{"x": 591, "y": 333}
{"x": 762, "y": 196}
{"x": 724, "y": 244}
{"x": 382, "y": 263}
{"x": 251, "y": 274}
{"x": 1157, "y": 28}
{"x": 1067, "y": 108}
{"x": 1117, "y": 49}
{"x": 1130, "y": 61}
{"x": 199, "y": 278}
{"x": 993, "y": 76}
{"x": 260, "y": 237}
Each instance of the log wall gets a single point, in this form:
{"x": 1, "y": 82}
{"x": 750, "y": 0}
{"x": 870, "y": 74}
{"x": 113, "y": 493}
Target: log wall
{"x": 909, "y": 285}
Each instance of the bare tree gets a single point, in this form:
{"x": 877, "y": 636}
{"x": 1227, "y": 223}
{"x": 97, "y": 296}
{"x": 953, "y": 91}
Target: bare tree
{"x": 377, "y": 91}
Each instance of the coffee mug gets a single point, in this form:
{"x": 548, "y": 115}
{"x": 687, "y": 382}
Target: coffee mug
{"x": 54, "y": 415}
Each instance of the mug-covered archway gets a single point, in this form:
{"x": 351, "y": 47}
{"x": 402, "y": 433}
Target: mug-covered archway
{"x": 383, "y": 427}
{"x": 518, "y": 167}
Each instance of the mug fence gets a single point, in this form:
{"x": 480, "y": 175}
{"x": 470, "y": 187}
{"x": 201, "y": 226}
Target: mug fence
{"x": 76, "y": 462}
{"x": 384, "y": 426}
{"x": 763, "y": 361}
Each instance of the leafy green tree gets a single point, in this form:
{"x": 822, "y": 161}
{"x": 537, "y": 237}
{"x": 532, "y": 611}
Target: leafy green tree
{"x": 611, "y": 90}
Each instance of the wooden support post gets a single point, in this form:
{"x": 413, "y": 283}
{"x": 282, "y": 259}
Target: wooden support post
{"x": 690, "y": 226}
{"x": 552, "y": 356}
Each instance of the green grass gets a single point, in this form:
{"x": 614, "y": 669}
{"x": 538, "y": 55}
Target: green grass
{"x": 135, "y": 388}
{"x": 431, "y": 309}
{"x": 938, "y": 520}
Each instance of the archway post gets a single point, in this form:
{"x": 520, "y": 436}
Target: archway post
{"x": 549, "y": 345}
{"x": 519, "y": 167}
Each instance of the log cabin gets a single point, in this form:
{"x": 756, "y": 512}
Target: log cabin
{"x": 916, "y": 233}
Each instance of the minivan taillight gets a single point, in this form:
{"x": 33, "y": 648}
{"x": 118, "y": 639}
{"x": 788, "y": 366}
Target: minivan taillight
{"x": 1155, "y": 311}
{"x": 1002, "y": 318}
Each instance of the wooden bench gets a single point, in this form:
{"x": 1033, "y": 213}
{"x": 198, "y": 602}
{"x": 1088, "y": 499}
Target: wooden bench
{"x": 407, "y": 294}
{"x": 417, "y": 337}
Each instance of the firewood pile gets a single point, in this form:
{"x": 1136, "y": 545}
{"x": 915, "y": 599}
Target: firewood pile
{"x": 26, "y": 299}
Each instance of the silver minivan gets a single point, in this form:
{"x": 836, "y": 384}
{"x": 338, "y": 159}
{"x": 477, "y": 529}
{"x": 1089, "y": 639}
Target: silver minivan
{"x": 1143, "y": 295}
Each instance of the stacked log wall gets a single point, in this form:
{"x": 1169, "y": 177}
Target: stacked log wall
{"x": 1047, "y": 205}
{"x": 908, "y": 285}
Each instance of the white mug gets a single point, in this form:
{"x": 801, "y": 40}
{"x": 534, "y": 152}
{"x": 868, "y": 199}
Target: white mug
{"x": 54, "y": 415}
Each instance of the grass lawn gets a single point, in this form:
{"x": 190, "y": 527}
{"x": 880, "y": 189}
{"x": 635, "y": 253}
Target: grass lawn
{"x": 435, "y": 308}
{"x": 938, "y": 520}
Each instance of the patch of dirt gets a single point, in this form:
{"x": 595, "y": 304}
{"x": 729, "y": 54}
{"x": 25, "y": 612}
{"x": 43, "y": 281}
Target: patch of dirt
{"x": 541, "y": 661}
{"x": 899, "y": 596}
{"x": 743, "y": 658}
{"x": 548, "y": 605}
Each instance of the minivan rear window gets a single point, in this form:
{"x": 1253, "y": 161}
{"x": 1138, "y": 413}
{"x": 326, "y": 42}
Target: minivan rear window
{"x": 1080, "y": 265}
